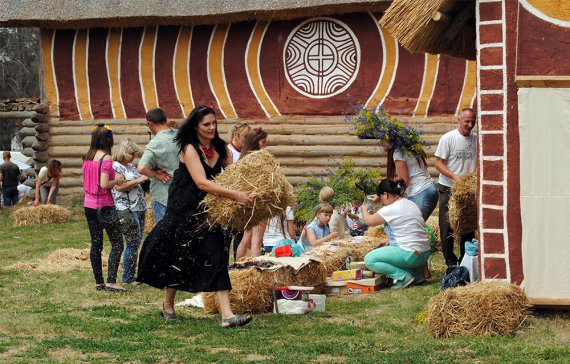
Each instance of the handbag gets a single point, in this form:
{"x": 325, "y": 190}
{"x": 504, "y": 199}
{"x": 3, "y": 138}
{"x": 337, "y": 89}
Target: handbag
{"x": 129, "y": 226}
{"x": 105, "y": 214}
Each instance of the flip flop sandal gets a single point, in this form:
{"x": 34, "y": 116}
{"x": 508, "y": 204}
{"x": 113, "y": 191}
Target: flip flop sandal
{"x": 236, "y": 321}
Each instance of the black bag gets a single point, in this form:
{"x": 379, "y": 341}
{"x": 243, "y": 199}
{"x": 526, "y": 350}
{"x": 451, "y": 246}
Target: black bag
{"x": 145, "y": 186}
{"x": 455, "y": 276}
{"x": 105, "y": 214}
{"x": 129, "y": 226}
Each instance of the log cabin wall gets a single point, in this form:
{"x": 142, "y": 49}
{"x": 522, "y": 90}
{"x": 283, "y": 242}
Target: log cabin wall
{"x": 297, "y": 78}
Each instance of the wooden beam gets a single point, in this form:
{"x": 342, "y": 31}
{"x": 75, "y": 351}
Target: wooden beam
{"x": 543, "y": 81}
{"x": 548, "y": 302}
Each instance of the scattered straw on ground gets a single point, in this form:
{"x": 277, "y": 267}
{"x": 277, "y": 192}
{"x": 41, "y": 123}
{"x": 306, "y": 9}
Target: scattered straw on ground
{"x": 259, "y": 174}
{"x": 478, "y": 309}
{"x": 41, "y": 215}
{"x": 463, "y": 205}
{"x": 61, "y": 260}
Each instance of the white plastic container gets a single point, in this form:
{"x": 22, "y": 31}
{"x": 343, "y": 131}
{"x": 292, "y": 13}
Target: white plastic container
{"x": 293, "y": 307}
{"x": 320, "y": 302}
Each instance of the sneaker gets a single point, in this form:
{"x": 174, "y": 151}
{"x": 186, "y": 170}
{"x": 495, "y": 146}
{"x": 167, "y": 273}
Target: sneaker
{"x": 404, "y": 283}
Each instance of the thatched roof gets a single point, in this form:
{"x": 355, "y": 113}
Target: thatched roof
{"x": 110, "y": 13}
{"x": 433, "y": 26}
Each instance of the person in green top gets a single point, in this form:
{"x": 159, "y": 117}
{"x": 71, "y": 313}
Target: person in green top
{"x": 159, "y": 160}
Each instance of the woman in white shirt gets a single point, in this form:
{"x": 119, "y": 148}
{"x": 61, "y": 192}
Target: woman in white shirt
{"x": 237, "y": 136}
{"x": 129, "y": 199}
{"x": 408, "y": 231}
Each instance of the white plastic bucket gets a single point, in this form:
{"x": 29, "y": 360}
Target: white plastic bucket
{"x": 320, "y": 302}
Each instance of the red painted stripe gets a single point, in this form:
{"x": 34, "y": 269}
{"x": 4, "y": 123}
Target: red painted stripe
{"x": 163, "y": 62}
{"x": 448, "y": 86}
{"x": 63, "y": 65}
{"x": 407, "y": 85}
{"x": 201, "y": 91}
{"x": 290, "y": 101}
{"x": 244, "y": 101}
{"x": 130, "y": 83}
{"x": 99, "y": 93}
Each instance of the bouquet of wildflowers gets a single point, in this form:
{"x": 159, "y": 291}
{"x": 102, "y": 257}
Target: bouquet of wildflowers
{"x": 377, "y": 124}
{"x": 348, "y": 182}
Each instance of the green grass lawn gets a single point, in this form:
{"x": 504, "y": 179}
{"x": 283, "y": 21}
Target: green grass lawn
{"x": 59, "y": 317}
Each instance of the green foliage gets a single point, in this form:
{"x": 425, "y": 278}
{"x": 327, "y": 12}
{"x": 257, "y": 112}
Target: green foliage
{"x": 348, "y": 182}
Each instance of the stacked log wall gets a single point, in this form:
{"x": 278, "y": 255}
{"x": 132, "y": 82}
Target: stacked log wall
{"x": 303, "y": 146}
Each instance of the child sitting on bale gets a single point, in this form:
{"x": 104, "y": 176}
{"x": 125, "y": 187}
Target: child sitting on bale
{"x": 401, "y": 261}
{"x": 318, "y": 232}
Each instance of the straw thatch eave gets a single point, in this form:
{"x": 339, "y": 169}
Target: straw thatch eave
{"x": 130, "y": 13}
{"x": 433, "y": 26}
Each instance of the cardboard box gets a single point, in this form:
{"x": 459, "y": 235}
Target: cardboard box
{"x": 330, "y": 283}
{"x": 369, "y": 282}
{"x": 354, "y": 288}
{"x": 357, "y": 265}
{"x": 335, "y": 290}
{"x": 345, "y": 275}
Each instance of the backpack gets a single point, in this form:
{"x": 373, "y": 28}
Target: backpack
{"x": 455, "y": 276}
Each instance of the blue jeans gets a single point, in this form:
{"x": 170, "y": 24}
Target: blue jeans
{"x": 10, "y": 196}
{"x": 426, "y": 200}
{"x": 132, "y": 249}
{"x": 158, "y": 210}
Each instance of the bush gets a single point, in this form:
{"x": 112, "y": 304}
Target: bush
{"x": 348, "y": 182}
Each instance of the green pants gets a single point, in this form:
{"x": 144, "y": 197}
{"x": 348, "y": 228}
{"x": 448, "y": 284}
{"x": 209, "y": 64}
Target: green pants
{"x": 395, "y": 262}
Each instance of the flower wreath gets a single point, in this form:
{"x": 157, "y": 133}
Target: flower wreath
{"x": 378, "y": 124}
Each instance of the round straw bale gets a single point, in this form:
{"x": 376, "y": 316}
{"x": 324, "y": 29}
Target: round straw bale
{"x": 41, "y": 215}
{"x": 259, "y": 174}
{"x": 478, "y": 309}
{"x": 463, "y": 205}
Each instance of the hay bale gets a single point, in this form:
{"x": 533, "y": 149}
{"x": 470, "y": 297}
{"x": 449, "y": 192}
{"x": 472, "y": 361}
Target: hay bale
{"x": 433, "y": 223}
{"x": 149, "y": 221}
{"x": 478, "y": 309}
{"x": 376, "y": 232}
{"x": 463, "y": 206}
{"x": 251, "y": 287}
{"x": 41, "y": 215}
{"x": 61, "y": 260}
{"x": 259, "y": 174}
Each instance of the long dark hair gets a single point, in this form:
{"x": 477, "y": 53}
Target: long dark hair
{"x": 391, "y": 165}
{"x": 101, "y": 139}
{"x": 187, "y": 132}
{"x": 252, "y": 141}
{"x": 392, "y": 187}
{"x": 54, "y": 168}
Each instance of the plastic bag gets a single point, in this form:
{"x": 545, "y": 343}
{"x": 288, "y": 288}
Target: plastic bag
{"x": 296, "y": 250}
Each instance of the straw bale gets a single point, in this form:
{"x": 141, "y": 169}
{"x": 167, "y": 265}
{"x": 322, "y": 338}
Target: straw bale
{"x": 149, "y": 221}
{"x": 478, "y": 309}
{"x": 433, "y": 223}
{"x": 259, "y": 174}
{"x": 411, "y": 23}
{"x": 463, "y": 205}
{"x": 251, "y": 287}
{"x": 61, "y": 260}
{"x": 376, "y": 232}
{"x": 41, "y": 215}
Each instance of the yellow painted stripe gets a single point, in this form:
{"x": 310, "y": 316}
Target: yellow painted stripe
{"x": 216, "y": 75}
{"x": 50, "y": 86}
{"x": 182, "y": 70}
{"x": 428, "y": 85}
{"x": 389, "y": 70}
{"x": 469, "y": 86}
{"x": 146, "y": 56}
{"x": 252, "y": 68}
{"x": 81, "y": 82}
{"x": 113, "y": 70}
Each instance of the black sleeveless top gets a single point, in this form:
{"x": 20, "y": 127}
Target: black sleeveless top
{"x": 184, "y": 196}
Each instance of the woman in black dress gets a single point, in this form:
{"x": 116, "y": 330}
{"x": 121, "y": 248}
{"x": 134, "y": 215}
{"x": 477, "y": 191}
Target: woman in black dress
{"x": 183, "y": 252}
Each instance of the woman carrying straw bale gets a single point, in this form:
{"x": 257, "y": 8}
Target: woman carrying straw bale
{"x": 252, "y": 239}
{"x": 336, "y": 224}
{"x": 183, "y": 252}
{"x": 47, "y": 183}
{"x": 237, "y": 136}
{"x": 129, "y": 199}
{"x": 98, "y": 180}
{"x": 400, "y": 262}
